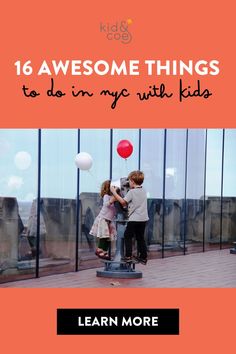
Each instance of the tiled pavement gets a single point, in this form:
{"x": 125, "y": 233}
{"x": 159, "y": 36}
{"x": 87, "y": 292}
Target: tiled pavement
{"x": 213, "y": 269}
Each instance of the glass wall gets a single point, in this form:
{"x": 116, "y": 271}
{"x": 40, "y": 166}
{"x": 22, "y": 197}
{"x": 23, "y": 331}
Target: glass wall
{"x": 96, "y": 142}
{"x": 195, "y": 181}
{"x": 18, "y": 189}
{"x": 174, "y": 191}
{"x": 152, "y": 160}
{"x": 121, "y": 167}
{"x": 213, "y": 189}
{"x": 190, "y": 179}
{"x": 58, "y": 200}
{"x": 229, "y": 189}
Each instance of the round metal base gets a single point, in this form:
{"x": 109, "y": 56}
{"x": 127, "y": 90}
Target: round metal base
{"x": 119, "y": 274}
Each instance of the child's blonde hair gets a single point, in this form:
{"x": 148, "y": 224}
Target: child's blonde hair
{"x": 105, "y": 188}
{"x": 137, "y": 177}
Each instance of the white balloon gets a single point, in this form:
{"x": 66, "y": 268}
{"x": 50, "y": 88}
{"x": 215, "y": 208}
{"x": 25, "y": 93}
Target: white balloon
{"x": 83, "y": 161}
{"x": 22, "y": 160}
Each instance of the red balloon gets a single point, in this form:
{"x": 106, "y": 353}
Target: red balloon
{"x": 124, "y": 148}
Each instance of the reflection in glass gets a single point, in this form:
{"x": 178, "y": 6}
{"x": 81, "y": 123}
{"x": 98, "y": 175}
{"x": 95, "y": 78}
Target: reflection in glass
{"x": 213, "y": 189}
{"x": 96, "y": 142}
{"x": 58, "y": 203}
{"x": 152, "y": 161}
{"x": 174, "y": 191}
{"x": 229, "y": 189}
{"x": 152, "y": 166}
{"x": 230, "y": 163}
{"x": 194, "y": 207}
{"x": 18, "y": 188}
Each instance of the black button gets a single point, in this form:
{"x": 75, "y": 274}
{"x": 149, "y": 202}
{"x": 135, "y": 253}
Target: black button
{"x": 118, "y": 321}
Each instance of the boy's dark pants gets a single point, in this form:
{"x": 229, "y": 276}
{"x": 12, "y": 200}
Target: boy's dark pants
{"x": 135, "y": 228}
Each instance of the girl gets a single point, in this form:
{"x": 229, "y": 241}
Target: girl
{"x": 103, "y": 226}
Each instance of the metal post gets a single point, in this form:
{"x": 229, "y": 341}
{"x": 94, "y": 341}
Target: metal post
{"x": 38, "y": 205}
{"x": 77, "y": 212}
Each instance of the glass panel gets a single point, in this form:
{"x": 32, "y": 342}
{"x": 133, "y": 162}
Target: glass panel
{"x": 18, "y": 188}
{"x": 230, "y": 163}
{"x": 152, "y": 155}
{"x": 213, "y": 188}
{"x": 193, "y": 227}
{"x": 229, "y": 189}
{"x": 96, "y": 142}
{"x": 58, "y": 203}
{"x": 174, "y": 191}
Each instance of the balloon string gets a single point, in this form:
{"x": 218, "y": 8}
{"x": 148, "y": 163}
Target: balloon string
{"x": 95, "y": 179}
{"x": 126, "y": 169}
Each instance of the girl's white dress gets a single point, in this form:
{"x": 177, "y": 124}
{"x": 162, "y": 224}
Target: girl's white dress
{"x": 104, "y": 226}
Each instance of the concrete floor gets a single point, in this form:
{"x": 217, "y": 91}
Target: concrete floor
{"x": 213, "y": 269}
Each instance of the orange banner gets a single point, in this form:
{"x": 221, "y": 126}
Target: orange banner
{"x": 103, "y": 64}
{"x": 117, "y": 65}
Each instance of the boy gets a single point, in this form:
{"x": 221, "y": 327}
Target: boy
{"x": 136, "y": 199}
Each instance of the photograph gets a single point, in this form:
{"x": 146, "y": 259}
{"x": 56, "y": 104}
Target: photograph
{"x": 117, "y": 177}
{"x": 111, "y": 201}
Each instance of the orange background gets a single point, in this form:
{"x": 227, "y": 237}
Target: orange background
{"x": 28, "y": 320}
{"x": 161, "y": 30}
{"x": 178, "y": 30}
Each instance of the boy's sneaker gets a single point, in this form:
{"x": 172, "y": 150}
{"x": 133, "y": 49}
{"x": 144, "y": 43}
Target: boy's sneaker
{"x": 141, "y": 260}
{"x": 127, "y": 259}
